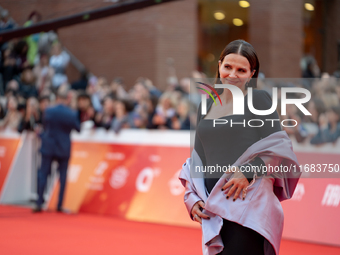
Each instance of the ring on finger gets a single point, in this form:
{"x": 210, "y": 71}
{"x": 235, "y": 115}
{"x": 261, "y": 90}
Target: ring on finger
{"x": 244, "y": 192}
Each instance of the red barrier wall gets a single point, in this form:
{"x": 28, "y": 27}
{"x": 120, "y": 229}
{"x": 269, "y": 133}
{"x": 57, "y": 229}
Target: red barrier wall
{"x": 139, "y": 181}
{"x": 8, "y": 149}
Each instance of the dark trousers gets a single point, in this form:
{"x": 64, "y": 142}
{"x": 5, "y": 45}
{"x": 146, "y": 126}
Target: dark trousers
{"x": 45, "y": 171}
{"x": 239, "y": 240}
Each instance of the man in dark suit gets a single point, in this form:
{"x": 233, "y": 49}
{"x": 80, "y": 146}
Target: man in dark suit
{"x": 58, "y": 122}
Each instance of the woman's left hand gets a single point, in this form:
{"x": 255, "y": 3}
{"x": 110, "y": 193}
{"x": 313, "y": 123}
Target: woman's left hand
{"x": 238, "y": 183}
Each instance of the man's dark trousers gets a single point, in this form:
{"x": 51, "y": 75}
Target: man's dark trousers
{"x": 45, "y": 171}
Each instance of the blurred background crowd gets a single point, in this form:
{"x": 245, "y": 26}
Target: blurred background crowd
{"x": 33, "y": 71}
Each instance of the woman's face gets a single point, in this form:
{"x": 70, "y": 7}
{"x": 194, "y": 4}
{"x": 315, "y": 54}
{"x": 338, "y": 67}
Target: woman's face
{"x": 182, "y": 109}
{"x": 35, "y": 18}
{"x": 12, "y": 104}
{"x": 120, "y": 109}
{"x": 332, "y": 116}
{"x": 13, "y": 84}
{"x": 44, "y": 60}
{"x": 140, "y": 92}
{"x": 235, "y": 70}
{"x": 56, "y": 49}
{"x": 28, "y": 76}
{"x": 166, "y": 103}
{"x": 84, "y": 103}
{"x": 108, "y": 106}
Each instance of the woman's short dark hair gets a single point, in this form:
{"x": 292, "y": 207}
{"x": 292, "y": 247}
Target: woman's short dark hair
{"x": 246, "y": 50}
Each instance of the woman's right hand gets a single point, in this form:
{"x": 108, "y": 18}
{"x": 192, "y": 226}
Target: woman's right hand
{"x": 196, "y": 212}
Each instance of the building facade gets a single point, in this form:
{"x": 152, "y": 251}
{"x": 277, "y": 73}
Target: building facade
{"x": 189, "y": 35}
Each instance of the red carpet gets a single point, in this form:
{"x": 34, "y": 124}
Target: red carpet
{"x": 54, "y": 234}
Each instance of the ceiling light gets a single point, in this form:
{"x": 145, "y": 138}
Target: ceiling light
{"x": 244, "y": 4}
{"x": 219, "y": 15}
{"x": 237, "y": 22}
{"x": 309, "y": 7}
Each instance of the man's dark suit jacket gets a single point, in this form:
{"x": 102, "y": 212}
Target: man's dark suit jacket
{"x": 58, "y": 122}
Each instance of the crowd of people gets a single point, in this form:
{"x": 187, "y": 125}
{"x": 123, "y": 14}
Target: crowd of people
{"x": 33, "y": 71}
{"x": 323, "y": 125}
{"x": 30, "y": 89}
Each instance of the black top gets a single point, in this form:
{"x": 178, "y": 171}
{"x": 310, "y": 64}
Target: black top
{"x": 225, "y": 143}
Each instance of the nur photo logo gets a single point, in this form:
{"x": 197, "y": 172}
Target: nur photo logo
{"x": 238, "y": 103}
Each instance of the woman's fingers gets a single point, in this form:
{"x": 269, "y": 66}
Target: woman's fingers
{"x": 244, "y": 193}
{"x": 203, "y": 215}
{"x": 237, "y": 184}
{"x": 197, "y": 211}
{"x": 237, "y": 193}
{"x": 237, "y": 188}
{"x": 197, "y": 214}
{"x": 201, "y": 204}
{"x": 232, "y": 189}
{"x": 228, "y": 184}
{"x": 197, "y": 218}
